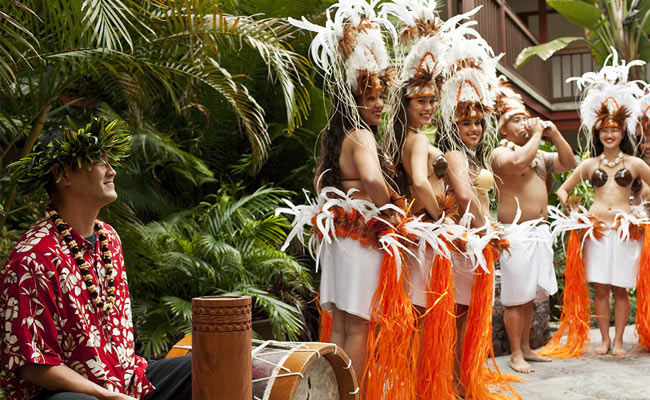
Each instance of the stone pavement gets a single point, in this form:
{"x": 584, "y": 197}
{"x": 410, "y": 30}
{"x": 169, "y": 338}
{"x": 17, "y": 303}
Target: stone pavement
{"x": 591, "y": 377}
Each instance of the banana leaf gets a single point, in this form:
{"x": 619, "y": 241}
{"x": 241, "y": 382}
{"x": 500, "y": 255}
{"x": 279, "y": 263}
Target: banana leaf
{"x": 545, "y": 50}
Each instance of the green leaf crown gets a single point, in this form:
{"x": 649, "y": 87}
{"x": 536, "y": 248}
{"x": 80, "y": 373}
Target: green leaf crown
{"x": 81, "y": 147}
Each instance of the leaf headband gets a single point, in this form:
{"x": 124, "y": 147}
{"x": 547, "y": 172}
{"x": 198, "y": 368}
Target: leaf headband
{"x": 82, "y": 147}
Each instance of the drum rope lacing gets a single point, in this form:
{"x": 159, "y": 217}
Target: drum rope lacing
{"x": 284, "y": 345}
{"x": 297, "y": 346}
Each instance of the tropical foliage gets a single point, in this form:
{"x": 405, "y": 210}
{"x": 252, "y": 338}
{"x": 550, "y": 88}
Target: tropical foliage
{"x": 213, "y": 92}
{"x": 621, "y": 24}
{"x": 227, "y": 245}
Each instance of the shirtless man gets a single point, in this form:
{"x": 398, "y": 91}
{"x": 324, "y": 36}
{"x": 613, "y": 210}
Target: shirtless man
{"x": 521, "y": 170}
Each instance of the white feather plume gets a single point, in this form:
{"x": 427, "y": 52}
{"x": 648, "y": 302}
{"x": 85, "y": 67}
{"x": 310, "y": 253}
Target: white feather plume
{"x": 416, "y": 58}
{"x": 370, "y": 51}
{"x": 409, "y": 11}
{"x": 644, "y": 105}
{"x": 610, "y": 81}
{"x": 476, "y": 84}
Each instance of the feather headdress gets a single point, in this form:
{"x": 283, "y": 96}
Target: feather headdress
{"x": 468, "y": 89}
{"x": 509, "y": 103}
{"x": 470, "y": 84}
{"x": 608, "y": 98}
{"x": 350, "y": 47}
{"x": 419, "y": 45}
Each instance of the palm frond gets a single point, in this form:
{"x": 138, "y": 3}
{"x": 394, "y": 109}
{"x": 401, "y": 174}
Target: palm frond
{"x": 232, "y": 215}
{"x": 286, "y": 324}
{"x": 110, "y": 21}
{"x": 180, "y": 308}
{"x": 290, "y": 69}
{"x": 15, "y": 42}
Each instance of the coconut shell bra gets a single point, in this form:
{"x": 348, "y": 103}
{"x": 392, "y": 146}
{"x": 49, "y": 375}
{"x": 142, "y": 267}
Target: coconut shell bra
{"x": 623, "y": 177}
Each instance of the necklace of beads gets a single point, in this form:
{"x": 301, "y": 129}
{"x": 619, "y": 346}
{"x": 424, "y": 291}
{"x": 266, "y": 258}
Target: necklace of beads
{"x": 104, "y": 303}
{"x": 614, "y": 163}
{"x": 537, "y": 162}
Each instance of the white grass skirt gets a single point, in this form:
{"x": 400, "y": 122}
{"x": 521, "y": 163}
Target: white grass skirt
{"x": 349, "y": 276}
{"x": 463, "y": 278}
{"x": 610, "y": 260}
{"x": 527, "y": 271}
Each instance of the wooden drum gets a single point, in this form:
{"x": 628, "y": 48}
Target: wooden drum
{"x": 295, "y": 370}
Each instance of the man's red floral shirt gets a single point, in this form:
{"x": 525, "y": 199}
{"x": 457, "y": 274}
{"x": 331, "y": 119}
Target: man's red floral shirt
{"x": 49, "y": 318}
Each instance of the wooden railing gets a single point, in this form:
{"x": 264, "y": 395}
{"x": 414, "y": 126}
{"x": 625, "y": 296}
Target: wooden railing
{"x": 566, "y": 64}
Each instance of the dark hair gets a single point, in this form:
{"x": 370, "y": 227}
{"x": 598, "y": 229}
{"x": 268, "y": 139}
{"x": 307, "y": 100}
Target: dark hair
{"x": 597, "y": 147}
{"x": 400, "y": 128}
{"x": 452, "y": 141}
{"x": 340, "y": 122}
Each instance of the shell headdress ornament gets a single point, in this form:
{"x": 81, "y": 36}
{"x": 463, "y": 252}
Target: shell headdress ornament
{"x": 470, "y": 84}
{"x": 509, "y": 103}
{"x": 608, "y": 98}
{"x": 350, "y": 47}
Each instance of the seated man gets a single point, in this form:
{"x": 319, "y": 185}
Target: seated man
{"x": 66, "y": 330}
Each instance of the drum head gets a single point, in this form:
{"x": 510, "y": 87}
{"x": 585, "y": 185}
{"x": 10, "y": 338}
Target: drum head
{"x": 319, "y": 382}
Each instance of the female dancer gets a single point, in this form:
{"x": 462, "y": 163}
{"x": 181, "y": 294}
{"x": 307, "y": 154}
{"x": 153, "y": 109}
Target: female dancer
{"x": 420, "y": 169}
{"x": 612, "y": 251}
{"x": 467, "y": 99}
{"x": 352, "y": 215}
{"x": 420, "y": 166}
{"x": 350, "y": 270}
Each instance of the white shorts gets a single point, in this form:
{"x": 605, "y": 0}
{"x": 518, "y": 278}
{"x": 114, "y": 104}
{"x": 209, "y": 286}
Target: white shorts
{"x": 349, "y": 276}
{"x": 610, "y": 260}
{"x": 527, "y": 271}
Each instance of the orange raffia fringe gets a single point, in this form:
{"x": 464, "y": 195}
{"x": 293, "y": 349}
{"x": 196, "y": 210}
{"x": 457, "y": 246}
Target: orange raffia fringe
{"x": 392, "y": 349}
{"x": 325, "y": 325}
{"x": 643, "y": 293}
{"x": 325, "y": 328}
{"x": 575, "y": 306}
{"x": 438, "y": 338}
{"x": 477, "y": 343}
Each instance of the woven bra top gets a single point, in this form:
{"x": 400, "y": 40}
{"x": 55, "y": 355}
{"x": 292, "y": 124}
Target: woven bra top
{"x": 623, "y": 176}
